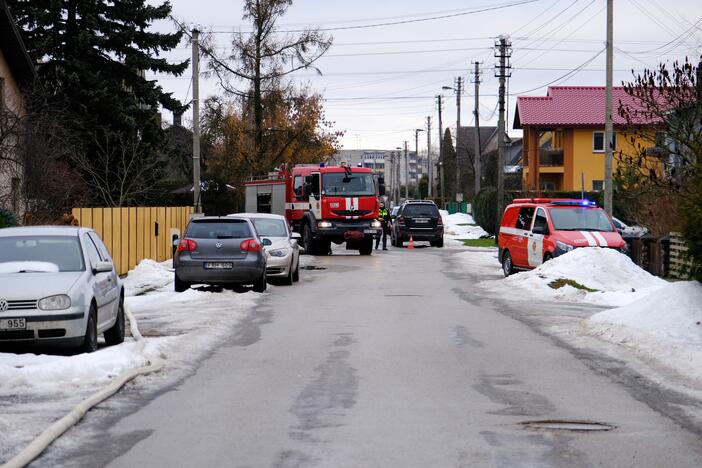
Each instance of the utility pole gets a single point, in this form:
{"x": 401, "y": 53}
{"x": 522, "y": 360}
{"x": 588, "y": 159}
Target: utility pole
{"x": 504, "y": 52}
{"x": 609, "y": 127}
{"x": 406, "y": 172}
{"x": 430, "y": 172}
{"x": 476, "y": 151}
{"x": 196, "y": 121}
{"x": 441, "y": 149}
{"x": 416, "y": 157}
{"x": 459, "y": 90}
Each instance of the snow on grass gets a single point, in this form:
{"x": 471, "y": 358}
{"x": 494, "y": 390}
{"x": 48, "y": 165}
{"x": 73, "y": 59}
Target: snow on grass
{"x": 615, "y": 279}
{"x": 460, "y": 226}
{"x": 664, "y": 327}
{"x": 178, "y": 328}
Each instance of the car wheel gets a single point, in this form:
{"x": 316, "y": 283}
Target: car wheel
{"x": 547, "y": 257}
{"x": 507, "y": 266}
{"x": 90, "y": 340}
{"x": 115, "y": 335}
{"x": 438, "y": 243}
{"x": 399, "y": 242}
{"x": 289, "y": 279}
{"x": 261, "y": 284}
{"x": 296, "y": 275}
{"x": 179, "y": 285}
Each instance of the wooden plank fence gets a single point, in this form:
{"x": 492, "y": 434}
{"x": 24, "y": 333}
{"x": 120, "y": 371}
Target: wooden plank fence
{"x": 680, "y": 263}
{"x": 134, "y": 234}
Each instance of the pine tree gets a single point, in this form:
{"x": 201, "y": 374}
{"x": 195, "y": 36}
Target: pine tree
{"x": 449, "y": 165}
{"x": 92, "y": 56}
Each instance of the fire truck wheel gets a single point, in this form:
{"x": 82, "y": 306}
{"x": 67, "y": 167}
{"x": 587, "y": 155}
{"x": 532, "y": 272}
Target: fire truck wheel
{"x": 366, "y": 247}
{"x": 307, "y": 240}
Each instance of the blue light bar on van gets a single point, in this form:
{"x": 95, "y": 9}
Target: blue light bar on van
{"x": 574, "y": 203}
{"x": 322, "y": 164}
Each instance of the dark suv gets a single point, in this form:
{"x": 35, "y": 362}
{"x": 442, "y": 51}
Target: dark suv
{"x": 419, "y": 220}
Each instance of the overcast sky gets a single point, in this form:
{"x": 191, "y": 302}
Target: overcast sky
{"x": 380, "y": 82}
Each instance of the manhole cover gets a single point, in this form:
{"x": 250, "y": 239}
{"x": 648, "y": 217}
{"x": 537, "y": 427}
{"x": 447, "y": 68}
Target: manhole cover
{"x": 313, "y": 267}
{"x": 568, "y": 425}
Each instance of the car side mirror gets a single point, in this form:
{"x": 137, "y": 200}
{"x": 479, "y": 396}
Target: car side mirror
{"x": 540, "y": 230}
{"x": 266, "y": 242}
{"x": 103, "y": 267}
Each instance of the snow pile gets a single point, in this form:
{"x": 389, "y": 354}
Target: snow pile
{"x": 664, "y": 327}
{"x": 461, "y": 226}
{"x": 614, "y": 277}
{"x": 147, "y": 276}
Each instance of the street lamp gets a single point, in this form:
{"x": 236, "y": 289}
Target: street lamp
{"x": 398, "y": 173}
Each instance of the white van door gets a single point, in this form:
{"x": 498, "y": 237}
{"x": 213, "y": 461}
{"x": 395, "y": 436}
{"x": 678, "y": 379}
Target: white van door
{"x": 536, "y": 240}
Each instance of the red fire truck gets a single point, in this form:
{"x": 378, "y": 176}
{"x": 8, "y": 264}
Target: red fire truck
{"x": 324, "y": 204}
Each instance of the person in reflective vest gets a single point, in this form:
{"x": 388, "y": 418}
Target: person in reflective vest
{"x": 384, "y": 218}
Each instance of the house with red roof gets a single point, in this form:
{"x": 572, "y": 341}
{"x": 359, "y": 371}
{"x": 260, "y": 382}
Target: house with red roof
{"x": 564, "y": 142}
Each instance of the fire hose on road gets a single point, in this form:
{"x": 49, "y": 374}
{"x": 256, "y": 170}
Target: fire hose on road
{"x": 46, "y": 438}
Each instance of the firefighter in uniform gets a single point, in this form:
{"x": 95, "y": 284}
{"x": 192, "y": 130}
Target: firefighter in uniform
{"x": 384, "y": 218}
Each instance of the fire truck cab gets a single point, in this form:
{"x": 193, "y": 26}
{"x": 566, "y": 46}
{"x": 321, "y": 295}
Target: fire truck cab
{"x": 324, "y": 204}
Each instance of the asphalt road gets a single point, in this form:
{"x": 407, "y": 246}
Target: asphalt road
{"x": 397, "y": 361}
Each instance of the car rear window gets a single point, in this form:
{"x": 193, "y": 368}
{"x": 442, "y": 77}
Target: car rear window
{"x": 430, "y": 211}
{"x": 62, "y": 251}
{"x": 218, "y": 229}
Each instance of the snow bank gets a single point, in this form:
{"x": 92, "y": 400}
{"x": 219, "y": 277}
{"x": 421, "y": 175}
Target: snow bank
{"x": 664, "y": 327}
{"x": 147, "y": 276}
{"x": 616, "y": 279}
{"x": 461, "y": 226}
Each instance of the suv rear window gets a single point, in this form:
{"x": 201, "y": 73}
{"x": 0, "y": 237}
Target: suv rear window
{"x": 423, "y": 209}
{"x": 218, "y": 229}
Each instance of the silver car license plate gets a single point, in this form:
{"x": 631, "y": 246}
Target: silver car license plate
{"x": 13, "y": 324}
{"x": 369, "y": 231}
{"x": 219, "y": 265}
{"x": 421, "y": 221}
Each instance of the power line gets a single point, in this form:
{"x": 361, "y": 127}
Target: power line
{"x": 409, "y": 21}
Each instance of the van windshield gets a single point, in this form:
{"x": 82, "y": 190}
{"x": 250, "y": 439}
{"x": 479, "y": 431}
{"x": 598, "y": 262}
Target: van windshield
{"x": 580, "y": 219}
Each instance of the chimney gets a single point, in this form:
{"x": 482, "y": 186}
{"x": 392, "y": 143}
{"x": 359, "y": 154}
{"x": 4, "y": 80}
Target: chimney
{"x": 177, "y": 119}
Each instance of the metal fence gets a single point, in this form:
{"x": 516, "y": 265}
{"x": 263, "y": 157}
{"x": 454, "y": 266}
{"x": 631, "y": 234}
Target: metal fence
{"x": 134, "y": 234}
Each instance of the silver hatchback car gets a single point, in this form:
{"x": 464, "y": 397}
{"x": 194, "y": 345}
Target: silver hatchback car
{"x": 58, "y": 287}
{"x": 221, "y": 251}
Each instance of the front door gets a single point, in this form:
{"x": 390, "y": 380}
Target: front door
{"x": 536, "y": 241}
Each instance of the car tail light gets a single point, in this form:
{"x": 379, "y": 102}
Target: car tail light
{"x": 187, "y": 245}
{"x": 250, "y": 245}
{"x": 401, "y": 221}
{"x": 439, "y": 221}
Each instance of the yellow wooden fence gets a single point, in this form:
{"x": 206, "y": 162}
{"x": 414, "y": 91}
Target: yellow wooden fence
{"x": 133, "y": 234}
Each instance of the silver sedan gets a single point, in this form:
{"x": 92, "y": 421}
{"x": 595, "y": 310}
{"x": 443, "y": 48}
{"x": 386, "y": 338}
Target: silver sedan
{"x": 58, "y": 286}
{"x": 280, "y": 243}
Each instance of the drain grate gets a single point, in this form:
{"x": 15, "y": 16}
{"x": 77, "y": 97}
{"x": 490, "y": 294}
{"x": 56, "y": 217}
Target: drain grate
{"x": 313, "y": 267}
{"x": 568, "y": 425}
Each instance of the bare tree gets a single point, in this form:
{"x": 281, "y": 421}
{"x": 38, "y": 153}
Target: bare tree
{"x": 120, "y": 170}
{"x": 261, "y": 59}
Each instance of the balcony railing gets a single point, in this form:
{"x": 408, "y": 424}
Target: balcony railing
{"x": 552, "y": 157}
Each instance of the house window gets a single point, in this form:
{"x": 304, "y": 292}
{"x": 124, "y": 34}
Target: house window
{"x": 598, "y": 142}
{"x": 263, "y": 203}
{"x": 548, "y": 186}
{"x": 598, "y": 185}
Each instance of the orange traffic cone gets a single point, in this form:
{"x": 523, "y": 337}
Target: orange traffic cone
{"x": 411, "y": 243}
